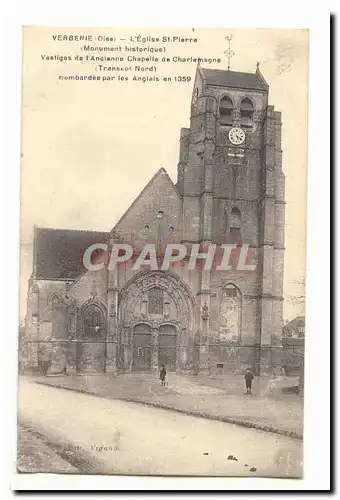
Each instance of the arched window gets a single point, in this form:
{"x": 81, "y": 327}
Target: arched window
{"x": 93, "y": 318}
{"x": 58, "y": 315}
{"x": 55, "y": 299}
{"x": 226, "y": 111}
{"x": 235, "y": 226}
{"x": 246, "y": 112}
{"x": 155, "y": 302}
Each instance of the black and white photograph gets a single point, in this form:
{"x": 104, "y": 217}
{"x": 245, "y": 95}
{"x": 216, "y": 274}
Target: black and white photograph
{"x": 163, "y": 251}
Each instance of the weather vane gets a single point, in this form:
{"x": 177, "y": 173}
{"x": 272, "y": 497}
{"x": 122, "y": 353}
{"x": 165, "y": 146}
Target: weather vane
{"x": 229, "y": 53}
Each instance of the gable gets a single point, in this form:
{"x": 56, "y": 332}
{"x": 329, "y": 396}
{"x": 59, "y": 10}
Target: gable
{"x": 294, "y": 325}
{"x": 159, "y": 195}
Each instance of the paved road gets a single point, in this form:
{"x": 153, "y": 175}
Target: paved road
{"x": 99, "y": 435}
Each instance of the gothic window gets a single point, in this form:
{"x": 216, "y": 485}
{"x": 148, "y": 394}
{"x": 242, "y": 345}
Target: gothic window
{"x": 58, "y": 315}
{"x": 226, "y": 111}
{"x": 155, "y": 301}
{"x": 246, "y": 112}
{"x": 55, "y": 300}
{"x": 93, "y": 318}
{"x": 235, "y": 226}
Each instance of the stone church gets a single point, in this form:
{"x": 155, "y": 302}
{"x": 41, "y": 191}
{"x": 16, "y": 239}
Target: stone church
{"x": 229, "y": 189}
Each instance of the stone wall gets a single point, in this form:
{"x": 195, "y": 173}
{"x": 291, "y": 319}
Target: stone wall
{"x": 214, "y": 177}
{"x": 293, "y": 355}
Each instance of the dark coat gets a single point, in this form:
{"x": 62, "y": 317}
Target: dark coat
{"x": 249, "y": 376}
{"x": 162, "y": 374}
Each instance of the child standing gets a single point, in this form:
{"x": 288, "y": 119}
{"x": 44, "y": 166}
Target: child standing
{"x": 249, "y": 379}
{"x": 162, "y": 375}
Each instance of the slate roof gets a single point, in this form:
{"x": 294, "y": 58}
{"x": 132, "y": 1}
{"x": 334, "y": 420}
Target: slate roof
{"x": 235, "y": 79}
{"x": 59, "y": 252}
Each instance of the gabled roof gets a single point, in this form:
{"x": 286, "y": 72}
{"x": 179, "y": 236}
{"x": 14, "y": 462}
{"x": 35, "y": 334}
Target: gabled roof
{"x": 234, "y": 79}
{"x": 59, "y": 252}
{"x": 295, "y": 323}
{"x": 159, "y": 172}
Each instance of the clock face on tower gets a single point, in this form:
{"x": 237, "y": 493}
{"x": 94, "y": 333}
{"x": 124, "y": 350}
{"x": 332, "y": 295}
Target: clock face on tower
{"x": 237, "y": 136}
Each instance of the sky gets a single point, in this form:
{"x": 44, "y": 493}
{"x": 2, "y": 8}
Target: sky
{"x": 89, "y": 147}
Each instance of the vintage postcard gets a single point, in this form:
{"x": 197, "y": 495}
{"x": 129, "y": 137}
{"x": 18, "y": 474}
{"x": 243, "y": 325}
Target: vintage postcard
{"x": 163, "y": 215}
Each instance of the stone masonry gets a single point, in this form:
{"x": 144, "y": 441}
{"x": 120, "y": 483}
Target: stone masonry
{"x": 191, "y": 321}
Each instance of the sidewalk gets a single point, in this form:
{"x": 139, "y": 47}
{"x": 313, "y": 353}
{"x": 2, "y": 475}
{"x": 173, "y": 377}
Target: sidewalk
{"x": 219, "y": 398}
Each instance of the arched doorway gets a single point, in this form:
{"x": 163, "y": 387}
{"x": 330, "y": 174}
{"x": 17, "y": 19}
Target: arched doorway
{"x": 141, "y": 347}
{"x": 167, "y": 347}
{"x": 148, "y": 301}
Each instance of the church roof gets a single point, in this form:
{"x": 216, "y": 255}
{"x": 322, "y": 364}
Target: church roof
{"x": 59, "y": 252}
{"x": 161, "y": 173}
{"x": 235, "y": 79}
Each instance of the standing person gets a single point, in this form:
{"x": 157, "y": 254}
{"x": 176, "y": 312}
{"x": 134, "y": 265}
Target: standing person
{"x": 46, "y": 362}
{"x": 162, "y": 375}
{"x": 249, "y": 379}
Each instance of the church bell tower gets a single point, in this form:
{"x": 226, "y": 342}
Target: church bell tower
{"x": 232, "y": 185}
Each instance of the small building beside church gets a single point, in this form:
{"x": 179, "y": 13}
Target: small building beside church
{"x": 294, "y": 328}
{"x": 229, "y": 190}
{"x": 293, "y": 343}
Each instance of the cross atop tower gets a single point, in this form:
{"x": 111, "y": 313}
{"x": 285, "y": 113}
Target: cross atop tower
{"x": 229, "y": 53}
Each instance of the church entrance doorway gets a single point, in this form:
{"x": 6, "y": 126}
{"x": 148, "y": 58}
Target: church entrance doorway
{"x": 141, "y": 347}
{"x": 167, "y": 347}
